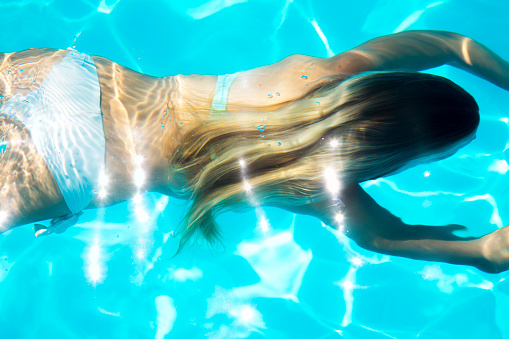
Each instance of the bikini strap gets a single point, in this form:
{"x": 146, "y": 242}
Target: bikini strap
{"x": 223, "y": 85}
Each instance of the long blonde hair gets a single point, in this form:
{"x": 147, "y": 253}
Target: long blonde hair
{"x": 362, "y": 128}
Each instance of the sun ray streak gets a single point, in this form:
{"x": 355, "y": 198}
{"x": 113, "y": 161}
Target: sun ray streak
{"x": 322, "y": 36}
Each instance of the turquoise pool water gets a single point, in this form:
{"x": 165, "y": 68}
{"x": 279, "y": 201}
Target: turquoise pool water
{"x": 110, "y": 276}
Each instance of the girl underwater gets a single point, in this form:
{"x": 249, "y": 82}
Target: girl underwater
{"x": 81, "y": 131}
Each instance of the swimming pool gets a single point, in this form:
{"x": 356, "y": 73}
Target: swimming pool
{"x": 111, "y": 276}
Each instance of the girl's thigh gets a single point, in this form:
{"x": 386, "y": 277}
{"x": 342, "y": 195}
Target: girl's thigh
{"x": 28, "y": 191}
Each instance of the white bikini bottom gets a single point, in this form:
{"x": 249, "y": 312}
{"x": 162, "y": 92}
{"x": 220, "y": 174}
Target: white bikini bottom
{"x": 65, "y": 122}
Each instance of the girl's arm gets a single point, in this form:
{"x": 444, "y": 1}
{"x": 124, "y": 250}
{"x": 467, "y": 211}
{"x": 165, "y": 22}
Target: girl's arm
{"x": 374, "y": 228}
{"x": 420, "y": 50}
{"x": 291, "y": 77}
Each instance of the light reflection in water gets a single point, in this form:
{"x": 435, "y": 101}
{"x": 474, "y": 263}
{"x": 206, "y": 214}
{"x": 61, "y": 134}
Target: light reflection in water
{"x": 182, "y": 274}
{"x": 247, "y": 315}
{"x": 103, "y": 182}
{"x": 94, "y": 261}
{"x": 139, "y": 177}
{"x": 499, "y": 166}
{"x": 334, "y": 143}
{"x": 495, "y": 218}
{"x": 322, "y": 36}
{"x": 263, "y": 224}
{"x": 339, "y": 218}
{"x": 262, "y": 220}
{"x": 448, "y": 283}
{"x": 244, "y": 316}
{"x": 166, "y": 315}
{"x": 348, "y": 283}
{"x": 3, "y": 219}
{"x": 108, "y": 6}
{"x": 331, "y": 180}
{"x": 105, "y": 8}
{"x": 279, "y": 262}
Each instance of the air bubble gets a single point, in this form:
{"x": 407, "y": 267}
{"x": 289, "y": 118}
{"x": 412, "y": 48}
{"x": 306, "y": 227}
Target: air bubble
{"x": 270, "y": 96}
{"x": 277, "y": 93}
{"x": 304, "y": 77}
{"x": 261, "y": 128}
{"x": 279, "y": 143}
{"x": 262, "y": 135}
{"x": 163, "y": 128}
{"x": 317, "y": 103}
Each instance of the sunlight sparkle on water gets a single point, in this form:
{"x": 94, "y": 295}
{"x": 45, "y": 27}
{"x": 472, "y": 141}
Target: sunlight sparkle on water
{"x": 331, "y": 180}
{"x": 95, "y": 271}
{"x": 140, "y": 254}
{"x": 427, "y": 174}
{"x": 139, "y": 177}
{"x": 357, "y": 261}
{"x": 247, "y": 186}
{"x": 137, "y": 198}
{"x": 339, "y": 218}
{"x": 322, "y": 37}
{"x": 334, "y": 143}
{"x": 139, "y": 159}
{"x": 103, "y": 180}
{"x": 499, "y": 166}
{"x": 102, "y": 193}
{"x": 348, "y": 285}
{"x": 264, "y": 224}
{"x": 3, "y": 217}
{"x": 141, "y": 214}
{"x": 244, "y": 314}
